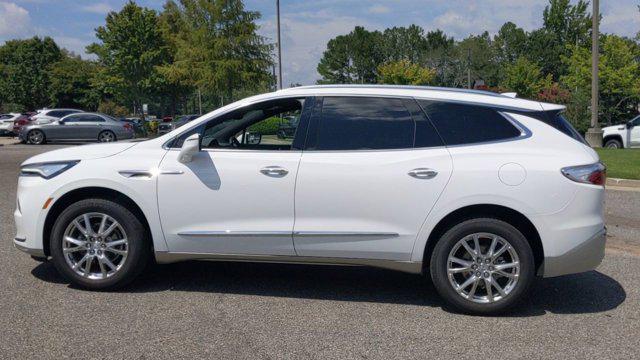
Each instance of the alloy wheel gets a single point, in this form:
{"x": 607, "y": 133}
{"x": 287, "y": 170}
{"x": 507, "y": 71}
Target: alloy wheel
{"x": 483, "y": 268}
{"x": 36, "y": 137}
{"x": 106, "y": 136}
{"x": 95, "y": 246}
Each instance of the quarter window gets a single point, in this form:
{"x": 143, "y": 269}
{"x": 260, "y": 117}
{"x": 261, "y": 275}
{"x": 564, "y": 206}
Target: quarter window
{"x": 363, "y": 123}
{"x": 467, "y": 124}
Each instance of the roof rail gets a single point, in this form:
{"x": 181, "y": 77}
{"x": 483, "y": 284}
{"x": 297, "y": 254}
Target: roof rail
{"x": 408, "y": 87}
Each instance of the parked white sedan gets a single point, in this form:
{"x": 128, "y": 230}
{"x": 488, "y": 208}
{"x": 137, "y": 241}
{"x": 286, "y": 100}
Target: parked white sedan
{"x": 482, "y": 192}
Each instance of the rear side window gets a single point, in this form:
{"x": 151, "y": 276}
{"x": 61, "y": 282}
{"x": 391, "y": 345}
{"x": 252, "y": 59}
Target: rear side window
{"x": 558, "y": 121}
{"x": 460, "y": 124}
{"x": 363, "y": 123}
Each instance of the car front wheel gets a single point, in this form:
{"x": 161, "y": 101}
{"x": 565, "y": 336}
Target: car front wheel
{"x": 613, "y": 144}
{"x": 482, "y": 266}
{"x": 99, "y": 244}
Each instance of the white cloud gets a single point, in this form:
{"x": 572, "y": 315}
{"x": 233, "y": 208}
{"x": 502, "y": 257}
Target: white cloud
{"x": 73, "y": 44}
{"x": 379, "y": 9}
{"x": 14, "y": 21}
{"x": 304, "y": 39}
{"x": 98, "y": 8}
{"x": 623, "y": 19}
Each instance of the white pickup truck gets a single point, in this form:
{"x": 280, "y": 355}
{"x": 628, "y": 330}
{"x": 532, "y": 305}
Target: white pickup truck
{"x": 623, "y": 136}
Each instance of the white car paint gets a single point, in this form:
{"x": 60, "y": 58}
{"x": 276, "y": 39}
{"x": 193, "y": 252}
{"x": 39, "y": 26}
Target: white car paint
{"x": 628, "y": 134}
{"x": 350, "y": 205}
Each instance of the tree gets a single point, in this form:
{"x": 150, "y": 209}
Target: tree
{"x": 404, "y": 72}
{"x": 24, "y": 72}
{"x": 525, "y": 78}
{"x": 404, "y": 43}
{"x": 218, "y": 49}
{"x": 510, "y": 43}
{"x": 72, "y": 83}
{"x": 131, "y": 47}
{"x": 353, "y": 58}
{"x": 619, "y": 72}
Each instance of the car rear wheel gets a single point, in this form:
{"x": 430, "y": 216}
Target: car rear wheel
{"x": 613, "y": 144}
{"x": 36, "y": 137}
{"x": 106, "y": 136}
{"x": 482, "y": 266}
{"x": 99, "y": 244}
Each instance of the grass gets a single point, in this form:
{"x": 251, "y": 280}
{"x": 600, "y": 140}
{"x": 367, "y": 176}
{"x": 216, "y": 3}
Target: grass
{"x": 621, "y": 163}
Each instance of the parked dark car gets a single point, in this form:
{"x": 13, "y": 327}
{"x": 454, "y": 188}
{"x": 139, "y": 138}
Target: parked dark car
{"x": 78, "y": 127}
{"x": 164, "y": 128}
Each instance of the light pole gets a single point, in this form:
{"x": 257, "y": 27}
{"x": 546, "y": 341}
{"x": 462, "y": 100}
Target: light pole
{"x": 594, "y": 134}
{"x": 279, "y": 46}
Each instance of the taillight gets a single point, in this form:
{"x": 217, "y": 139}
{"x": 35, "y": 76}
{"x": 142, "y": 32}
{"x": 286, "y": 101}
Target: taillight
{"x": 595, "y": 174}
{"x": 128, "y": 126}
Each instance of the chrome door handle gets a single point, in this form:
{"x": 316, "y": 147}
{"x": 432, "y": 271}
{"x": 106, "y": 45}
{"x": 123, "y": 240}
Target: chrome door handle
{"x": 274, "y": 171}
{"x": 423, "y": 173}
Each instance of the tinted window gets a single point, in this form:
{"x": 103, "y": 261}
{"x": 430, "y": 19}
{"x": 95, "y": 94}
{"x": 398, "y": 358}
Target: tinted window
{"x": 468, "y": 124}
{"x": 361, "y": 123}
{"x": 56, "y": 113}
{"x": 558, "y": 121}
{"x": 91, "y": 118}
{"x": 72, "y": 119}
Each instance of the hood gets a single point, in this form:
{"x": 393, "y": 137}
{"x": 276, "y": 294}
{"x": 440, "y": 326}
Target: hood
{"x": 83, "y": 152}
{"x": 614, "y": 128}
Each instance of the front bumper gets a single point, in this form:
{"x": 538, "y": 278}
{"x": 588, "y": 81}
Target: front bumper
{"x": 17, "y": 243}
{"x": 584, "y": 257}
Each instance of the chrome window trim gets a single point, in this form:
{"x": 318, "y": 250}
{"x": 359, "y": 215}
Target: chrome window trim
{"x": 287, "y": 233}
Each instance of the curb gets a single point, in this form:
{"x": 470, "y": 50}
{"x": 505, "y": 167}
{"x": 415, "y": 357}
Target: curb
{"x": 623, "y": 183}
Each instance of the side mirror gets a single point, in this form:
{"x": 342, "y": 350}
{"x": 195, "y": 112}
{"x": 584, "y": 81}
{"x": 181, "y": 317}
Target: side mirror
{"x": 254, "y": 138}
{"x": 629, "y": 124}
{"x": 190, "y": 147}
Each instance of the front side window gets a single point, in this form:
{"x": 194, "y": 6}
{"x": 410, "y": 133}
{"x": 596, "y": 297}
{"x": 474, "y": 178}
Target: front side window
{"x": 460, "y": 124}
{"x": 269, "y": 125}
{"x": 363, "y": 123}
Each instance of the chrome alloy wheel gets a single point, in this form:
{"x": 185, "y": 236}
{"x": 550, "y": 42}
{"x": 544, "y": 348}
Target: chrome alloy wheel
{"x": 106, "y": 136}
{"x": 483, "y": 268}
{"x": 95, "y": 246}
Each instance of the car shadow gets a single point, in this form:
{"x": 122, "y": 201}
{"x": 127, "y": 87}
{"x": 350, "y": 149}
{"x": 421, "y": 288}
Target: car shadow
{"x": 590, "y": 292}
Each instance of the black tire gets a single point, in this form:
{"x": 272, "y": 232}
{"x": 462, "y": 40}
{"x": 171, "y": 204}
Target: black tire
{"x": 36, "y": 137}
{"x": 139, "y": 250}
{"x": 440, "y": 255}
{"x": 613, "y": 144}
{"x": 107, "y": 134}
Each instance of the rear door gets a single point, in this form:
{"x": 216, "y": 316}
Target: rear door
{"x": 365, "y": 185}
{"x": 91, "y": 125}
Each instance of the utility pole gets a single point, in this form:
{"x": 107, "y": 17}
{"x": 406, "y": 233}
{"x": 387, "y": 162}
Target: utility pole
{"x": 594, "y": 134}
{"x": 469, "y": 68}
{"x": 199, "y": 102}
{"x": 279, "y": 46}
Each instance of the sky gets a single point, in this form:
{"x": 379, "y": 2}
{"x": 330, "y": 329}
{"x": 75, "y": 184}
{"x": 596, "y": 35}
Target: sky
{"x": 307, "y": 26}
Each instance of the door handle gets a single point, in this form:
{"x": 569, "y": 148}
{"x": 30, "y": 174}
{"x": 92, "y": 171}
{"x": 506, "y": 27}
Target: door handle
{"x": 423, "y": 173}
{"x": 274, "y": 171}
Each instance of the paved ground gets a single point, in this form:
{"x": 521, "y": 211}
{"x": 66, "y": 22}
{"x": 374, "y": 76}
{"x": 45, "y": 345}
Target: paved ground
{"x": 225, "y": 310}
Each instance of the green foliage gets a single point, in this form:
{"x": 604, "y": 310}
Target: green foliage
{"x": 217, "y": 48}
{"x": 111, "y": 108}
{"x": 266, "y": 127}
{"x": 619, "y": 73}
{"x": 24, "y": 72}
{"x": 71, "y": 83}
{"x": 525, "y": 78}
{"x": 404, "y": 72}
{"x": 131, "y": 47}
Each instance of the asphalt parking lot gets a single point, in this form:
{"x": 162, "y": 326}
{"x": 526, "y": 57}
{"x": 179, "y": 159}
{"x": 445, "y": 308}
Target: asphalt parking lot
{"x": 239, "y": 310}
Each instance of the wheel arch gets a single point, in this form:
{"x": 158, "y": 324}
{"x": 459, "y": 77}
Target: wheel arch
{"x": 613, "y": 137}
{"x": 506, "y": 214}
{"x": 82, "y": 193}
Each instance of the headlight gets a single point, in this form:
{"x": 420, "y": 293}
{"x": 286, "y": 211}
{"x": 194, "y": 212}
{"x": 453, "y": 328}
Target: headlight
{"x": 47, "y": 170}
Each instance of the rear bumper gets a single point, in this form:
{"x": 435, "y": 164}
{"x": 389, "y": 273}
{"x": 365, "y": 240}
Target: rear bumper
{"x": 584, "y": 257}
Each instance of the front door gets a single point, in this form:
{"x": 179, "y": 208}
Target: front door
{"x": 365, "y": 183}
{"x": 237, "y": 195}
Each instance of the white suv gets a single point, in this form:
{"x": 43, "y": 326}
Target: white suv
{"x": 481, "y": 191}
